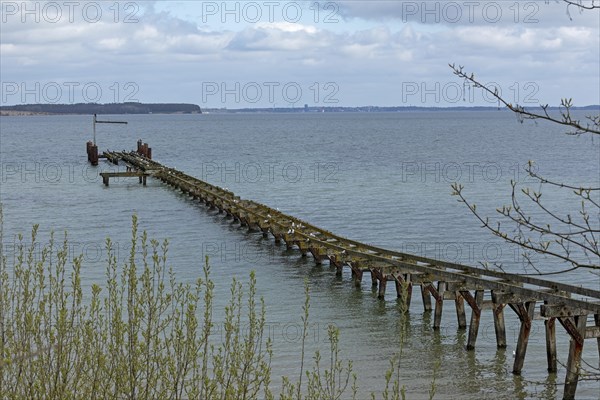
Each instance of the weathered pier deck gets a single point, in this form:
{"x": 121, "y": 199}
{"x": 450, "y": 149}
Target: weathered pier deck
{"x": 575, "y": 308}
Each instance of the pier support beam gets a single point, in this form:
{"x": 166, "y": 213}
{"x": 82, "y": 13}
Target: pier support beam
{"x": 404, "y": 289}
{"x": 426, "y": 297}
{"x": 499, "y": 326}
{"x": 597, "y": 323}
{"x": 374, "y": 281}
{"x": 475, "y": 302}
{"x": 438, "y": 295}
{"x": 550, "y": 328}
{"x": 357, "y": 275}
{"x": 382, "y": 286}
{"x": 576, "y": 327}
{"x": 461, "y": 316}
{"x": 525, "y": 313}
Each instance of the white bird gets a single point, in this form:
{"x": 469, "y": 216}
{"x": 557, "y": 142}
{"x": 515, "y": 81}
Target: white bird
{"x": 293, "y": 225}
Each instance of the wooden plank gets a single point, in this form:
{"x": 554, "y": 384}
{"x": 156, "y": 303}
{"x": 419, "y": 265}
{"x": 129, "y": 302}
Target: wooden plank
{"x": 560, "y": 310}
{"x": 592, "y": 332}
{"x": 501, "y": 297}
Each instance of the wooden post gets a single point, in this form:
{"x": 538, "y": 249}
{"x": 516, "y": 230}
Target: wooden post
{"x": 93, "y": 155}
{"x": 597, "y": 323}
{"x": 426, "y": 297}
{"x": 525, "y": 314}
{"x": 475, "y": 303}
{"x": 460, "y": 310}
{"x": 382, "y": 285}
{"x": 550, "y": 327}
{"x": 499, "y": 326}
{"x": 576, "y": 330}
{"x": 439, "y": 303}
{"x": 373, "y": 279}
{"x": 409, "y": 289}
{"x": 401, "y": 284}
{"x": 357, "y": 274}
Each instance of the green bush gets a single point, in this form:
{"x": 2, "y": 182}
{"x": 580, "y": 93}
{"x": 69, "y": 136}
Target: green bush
{"x": 144, "y": 335}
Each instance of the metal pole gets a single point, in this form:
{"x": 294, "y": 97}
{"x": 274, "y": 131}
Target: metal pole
{"x": 94, "y": 129}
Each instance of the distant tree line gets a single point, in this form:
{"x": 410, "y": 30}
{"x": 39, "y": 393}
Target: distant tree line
{"x": 112, "y": 108}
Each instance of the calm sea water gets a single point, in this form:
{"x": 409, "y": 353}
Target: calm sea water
{"x": 379, "y": 178}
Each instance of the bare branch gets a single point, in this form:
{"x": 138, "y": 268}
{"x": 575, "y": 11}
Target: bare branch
{"x": 566, "y": 104}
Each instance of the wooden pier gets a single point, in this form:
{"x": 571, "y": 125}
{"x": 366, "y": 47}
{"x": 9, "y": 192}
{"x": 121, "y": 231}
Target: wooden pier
{"x": 576, "y": 309}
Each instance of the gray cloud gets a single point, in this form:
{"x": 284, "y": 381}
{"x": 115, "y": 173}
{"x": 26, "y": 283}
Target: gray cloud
{"x": 371, "y": 55}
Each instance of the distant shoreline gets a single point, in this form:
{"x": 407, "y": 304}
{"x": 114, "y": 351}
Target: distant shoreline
{"x": 95, "y": 108}
{"x": 185, "y": 109}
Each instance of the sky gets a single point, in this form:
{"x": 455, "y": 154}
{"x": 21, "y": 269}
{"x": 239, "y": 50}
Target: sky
{"x": 239, "y": 54}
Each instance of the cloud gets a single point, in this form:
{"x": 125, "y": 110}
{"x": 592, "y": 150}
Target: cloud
{"x": 370, "y": 53}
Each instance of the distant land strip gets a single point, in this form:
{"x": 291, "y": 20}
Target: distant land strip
{"x": 184, "y": 108}
{"x": 94, "y": 108}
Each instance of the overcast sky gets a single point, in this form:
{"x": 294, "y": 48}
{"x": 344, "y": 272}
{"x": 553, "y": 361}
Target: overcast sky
{"x": 291, "y": 53}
